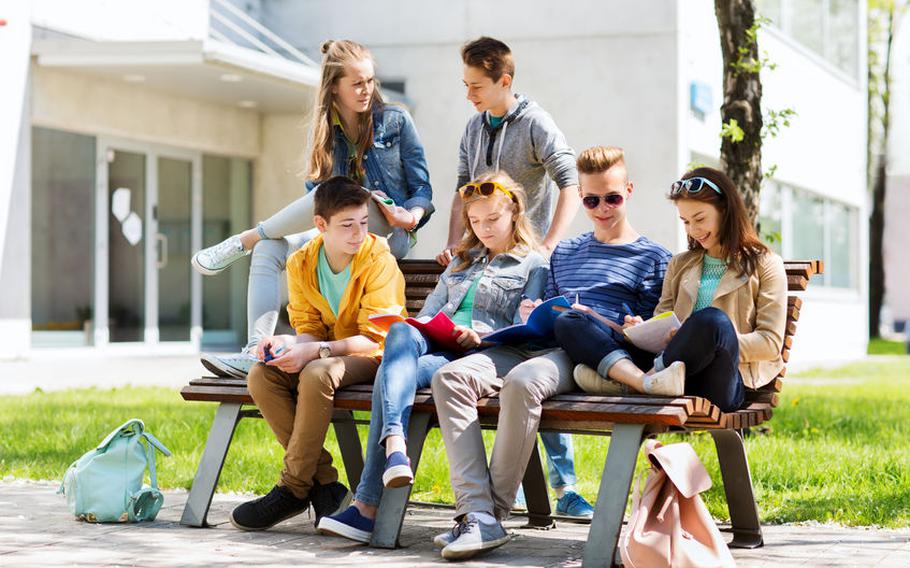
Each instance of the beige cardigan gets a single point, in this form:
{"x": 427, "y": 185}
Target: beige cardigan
{"x": 756, "y": 304}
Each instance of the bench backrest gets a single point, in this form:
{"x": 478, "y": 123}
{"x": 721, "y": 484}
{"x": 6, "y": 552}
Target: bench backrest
{"x": 421, "y": 277}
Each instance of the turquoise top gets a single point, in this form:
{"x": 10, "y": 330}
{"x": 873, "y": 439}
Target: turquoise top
{"x": 496, "y": 120}
{"x": 331, "y": 285}
{"x": 464, "y": 314}
{"x": 711, "y": 272}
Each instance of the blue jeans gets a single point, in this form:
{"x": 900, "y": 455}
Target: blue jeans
{"x": 707, "y": 343}
{"x": 560, "y": 458}
{"x": 408, "y": 364}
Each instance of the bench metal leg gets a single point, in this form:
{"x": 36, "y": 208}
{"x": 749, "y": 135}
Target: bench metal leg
{"x": 734, "y": 469}
{"x": 206, "y": 479}
{"x": 394, "y": 501}
{"x": 536, "y": 497}
{"x": 615, "y": 483}
{"x": 349, "y": 444}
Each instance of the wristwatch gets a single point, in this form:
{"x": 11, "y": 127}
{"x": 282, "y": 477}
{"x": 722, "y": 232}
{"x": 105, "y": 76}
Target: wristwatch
{"x": 324, "y": 350}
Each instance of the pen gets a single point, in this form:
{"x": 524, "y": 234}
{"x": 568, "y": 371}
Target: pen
{"x": 576, "y": 298}
{"x": 626, "y": 307}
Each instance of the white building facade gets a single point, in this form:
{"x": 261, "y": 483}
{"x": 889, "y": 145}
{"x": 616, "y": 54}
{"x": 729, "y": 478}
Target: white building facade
{"x": 644, "y": 76}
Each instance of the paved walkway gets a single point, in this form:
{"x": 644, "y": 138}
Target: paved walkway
{"x": 37, "y": 530}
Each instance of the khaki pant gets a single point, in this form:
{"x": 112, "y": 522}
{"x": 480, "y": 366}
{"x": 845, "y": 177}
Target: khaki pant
{"x": 529, "y": 377}
{"x": 298, "y": 409}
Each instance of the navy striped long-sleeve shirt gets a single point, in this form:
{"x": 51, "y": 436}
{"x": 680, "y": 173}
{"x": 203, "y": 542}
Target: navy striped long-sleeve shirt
{"x": 604, "y": 276}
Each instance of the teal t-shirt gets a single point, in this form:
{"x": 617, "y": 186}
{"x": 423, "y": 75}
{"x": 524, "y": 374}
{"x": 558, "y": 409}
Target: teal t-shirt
{"x": 711, "y": 272}
{"x": 463, "y": 315}
{"x": 495, "y": 121}
{"x": 331, "y": 285}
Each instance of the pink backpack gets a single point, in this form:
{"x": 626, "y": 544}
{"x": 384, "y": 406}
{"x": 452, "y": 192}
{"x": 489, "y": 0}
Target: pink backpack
{"x": 670, "y": 525}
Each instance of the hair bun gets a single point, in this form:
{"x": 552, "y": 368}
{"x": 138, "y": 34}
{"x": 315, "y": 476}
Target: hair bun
{"x": 326, "y": 45}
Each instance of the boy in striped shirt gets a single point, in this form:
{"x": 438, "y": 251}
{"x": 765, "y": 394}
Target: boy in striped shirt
{"x": 604, "y": 268}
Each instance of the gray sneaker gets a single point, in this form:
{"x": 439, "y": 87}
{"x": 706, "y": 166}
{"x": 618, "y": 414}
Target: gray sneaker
{"x": 475, "y": 537}
{"x": 212, "y": 260}
{"x": 237, "y": 366}
{"x": 445, "y": 539}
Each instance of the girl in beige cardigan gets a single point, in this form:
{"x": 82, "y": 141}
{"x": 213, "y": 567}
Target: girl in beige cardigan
{"x": 728, "y": 289}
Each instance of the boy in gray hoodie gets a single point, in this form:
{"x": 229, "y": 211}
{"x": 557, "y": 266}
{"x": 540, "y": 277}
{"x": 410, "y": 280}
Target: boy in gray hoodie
{"x": 513, "y": 134}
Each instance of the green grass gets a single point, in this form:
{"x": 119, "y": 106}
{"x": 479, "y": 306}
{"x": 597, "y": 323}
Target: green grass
{"x": 837, "y": 449}
{"x": 879, "y": 346}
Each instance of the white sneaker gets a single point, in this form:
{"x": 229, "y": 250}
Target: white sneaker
{"x": 212, "y": 260}
{"x": 669, "y": 382}
{"x": 474, "y": 538}
{"x": 591, "y": 382}
{"x": 237, "y": 366}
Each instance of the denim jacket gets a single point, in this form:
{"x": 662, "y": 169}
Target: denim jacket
{"x": 503, "y": 282}
{"x": 394, "y": 164}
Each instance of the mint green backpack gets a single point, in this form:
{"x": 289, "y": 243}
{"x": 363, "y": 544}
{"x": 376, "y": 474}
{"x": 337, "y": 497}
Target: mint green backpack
{"x": 105, "y": 484}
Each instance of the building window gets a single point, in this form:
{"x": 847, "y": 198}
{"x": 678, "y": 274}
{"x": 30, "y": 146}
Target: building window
{"x": 63, "y": 237}
{"x": 830, "y": 28}
{"x": 815, "y": 227}
{"x": 769, "y": 218}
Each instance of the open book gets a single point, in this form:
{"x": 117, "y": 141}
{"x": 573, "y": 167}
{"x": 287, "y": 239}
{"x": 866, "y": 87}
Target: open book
{"x": 539, "y": 324}
{"x": 437, "y": 329}
{"x": 651, "y": 335}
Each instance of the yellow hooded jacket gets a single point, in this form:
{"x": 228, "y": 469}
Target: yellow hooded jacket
{"x": 376, "y": 287}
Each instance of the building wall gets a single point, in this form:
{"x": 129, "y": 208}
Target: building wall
{"x": 15, "y": 42}
{"x": 88, "y": 104}
{"x": 897, "y": 231}
{"x": 583, "y": 70}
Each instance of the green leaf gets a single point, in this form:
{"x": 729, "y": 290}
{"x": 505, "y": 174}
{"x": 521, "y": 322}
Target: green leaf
{"x": 733, "y": 131}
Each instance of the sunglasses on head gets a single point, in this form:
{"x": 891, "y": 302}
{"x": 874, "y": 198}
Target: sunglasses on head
{"x": 611, "y": 200}
{"x": 485, "y": 189}
{"x": 693, "y": 185}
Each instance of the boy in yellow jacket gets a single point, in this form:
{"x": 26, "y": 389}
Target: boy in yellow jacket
{"x": 335, "y": 282}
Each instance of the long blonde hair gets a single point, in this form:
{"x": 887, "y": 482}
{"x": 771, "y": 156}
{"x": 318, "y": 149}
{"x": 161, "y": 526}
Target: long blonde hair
{"x": 336, "y": 55}
{"x": 524, "y": 238}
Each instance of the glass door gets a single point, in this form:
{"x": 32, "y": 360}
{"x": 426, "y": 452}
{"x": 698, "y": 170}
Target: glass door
{"x": 149, "y": 222}
{"x": 126, "y": 258}
{"x": 174, "y": 249}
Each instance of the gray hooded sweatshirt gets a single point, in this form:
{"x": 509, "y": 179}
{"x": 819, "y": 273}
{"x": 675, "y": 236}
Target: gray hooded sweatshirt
{"x": 529, "y": 147}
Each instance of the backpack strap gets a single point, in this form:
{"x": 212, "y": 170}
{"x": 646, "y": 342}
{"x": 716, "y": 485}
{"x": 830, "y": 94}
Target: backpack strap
{"x": 155, "y": 442}
{"x": 133, "y": 425}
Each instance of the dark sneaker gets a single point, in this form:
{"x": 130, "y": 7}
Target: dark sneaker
{"x": 349, "y": 524}
{"x": 328, "y": 499}
{"x": 236, "y": 366}
{"x": 571, "y": 504}
{"x": 397, "y": 471}
{"x": 212, "y": 260}
{"x": 269, "y": 510}
{"x": 474, "y": 538}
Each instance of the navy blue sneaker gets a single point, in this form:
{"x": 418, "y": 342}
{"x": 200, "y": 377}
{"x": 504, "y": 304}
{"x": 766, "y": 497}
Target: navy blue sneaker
{"x": 574, "y": 505}
{"x": 397, "y": 471}
{"x": 349, "y": 524}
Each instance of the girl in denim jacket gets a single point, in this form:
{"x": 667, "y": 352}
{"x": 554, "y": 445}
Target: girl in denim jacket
{"x": 354, "y": 134}
{"x": 495, "y": 266}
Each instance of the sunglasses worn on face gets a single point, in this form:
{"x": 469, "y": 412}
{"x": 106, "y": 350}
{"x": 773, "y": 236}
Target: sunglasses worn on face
{"x": 611, "y": 199}
{"x": 486, "y": 189}
{"x": 693, "y": 185}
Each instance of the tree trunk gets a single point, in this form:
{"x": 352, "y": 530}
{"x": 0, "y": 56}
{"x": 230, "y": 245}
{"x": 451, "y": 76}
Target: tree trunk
{"x": 742, "y": 99}
{"x": 879, "y": 186}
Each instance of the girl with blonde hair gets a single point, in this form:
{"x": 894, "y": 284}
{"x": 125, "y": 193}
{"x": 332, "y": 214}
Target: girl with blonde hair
{"x": 355, "y": 134}
{"x": 495, "y": 265}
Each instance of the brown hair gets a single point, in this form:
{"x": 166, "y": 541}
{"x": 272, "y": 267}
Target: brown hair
{"x": 523, "y": 235}
{"x": 599, "y": 159}
{"x": 491, "y": 55}
{"x": 739, "y": 243}
{"x": 336, "y": 194}
{"x": 336, "y": 55}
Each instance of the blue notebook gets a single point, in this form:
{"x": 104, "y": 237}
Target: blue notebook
{"x": 539, "y": 325}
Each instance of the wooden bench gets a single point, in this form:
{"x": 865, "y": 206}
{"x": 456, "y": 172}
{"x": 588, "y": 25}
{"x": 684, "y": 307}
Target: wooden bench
{"x": 627, "y": 419}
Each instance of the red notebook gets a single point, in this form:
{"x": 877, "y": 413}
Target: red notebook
{"x": 437, "y": 329}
